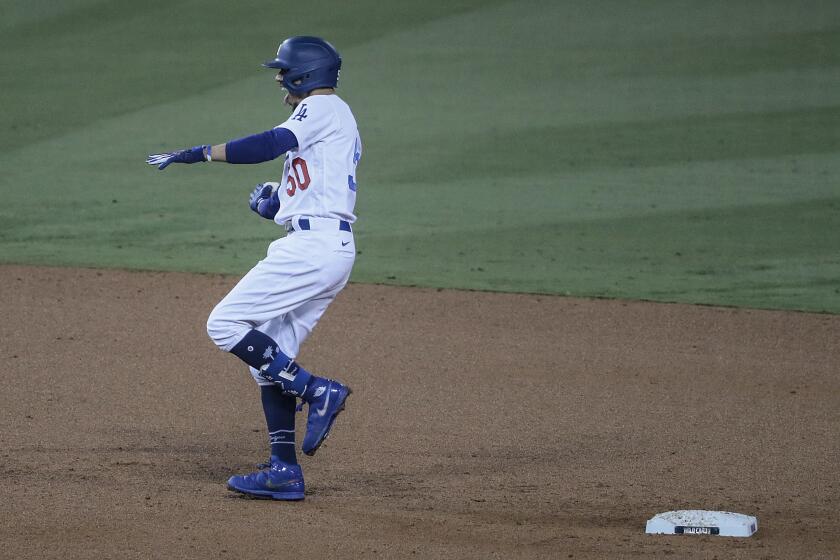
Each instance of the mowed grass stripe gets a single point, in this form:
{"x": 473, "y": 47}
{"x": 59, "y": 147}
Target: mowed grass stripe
{"x": 729, "y": 256}
{"x": 561, "y": 149}
{"x": 96, "y": 60}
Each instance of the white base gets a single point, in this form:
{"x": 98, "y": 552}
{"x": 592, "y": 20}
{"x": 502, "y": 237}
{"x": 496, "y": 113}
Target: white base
{"x": 702, "y": 522}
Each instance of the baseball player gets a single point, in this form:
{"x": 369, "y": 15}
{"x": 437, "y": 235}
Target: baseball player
{"x": 270, "y": 312}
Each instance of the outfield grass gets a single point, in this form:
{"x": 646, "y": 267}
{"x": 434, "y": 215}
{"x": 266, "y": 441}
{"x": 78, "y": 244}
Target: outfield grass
{"x": 675, "y": 151}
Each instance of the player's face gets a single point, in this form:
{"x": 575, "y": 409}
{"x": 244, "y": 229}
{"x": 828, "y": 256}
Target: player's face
{"x": 289, "y": 99}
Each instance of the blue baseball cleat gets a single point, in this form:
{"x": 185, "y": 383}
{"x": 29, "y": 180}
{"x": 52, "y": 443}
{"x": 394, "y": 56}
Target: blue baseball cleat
{"x": 278, "y": 481}
{"x": 326, "y": 399}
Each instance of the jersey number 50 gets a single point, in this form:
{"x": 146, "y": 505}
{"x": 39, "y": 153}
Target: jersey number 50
{"x": 298, "y": 176}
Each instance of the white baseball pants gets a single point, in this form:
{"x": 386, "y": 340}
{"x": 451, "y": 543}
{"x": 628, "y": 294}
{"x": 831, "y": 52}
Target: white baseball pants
{"x": 287, "y": 292}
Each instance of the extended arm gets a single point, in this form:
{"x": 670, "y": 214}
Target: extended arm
{"x": 256, "y": 148}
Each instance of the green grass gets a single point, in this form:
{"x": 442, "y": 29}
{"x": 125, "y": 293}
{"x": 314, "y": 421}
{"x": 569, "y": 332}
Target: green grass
{"x": 674, "y": 151}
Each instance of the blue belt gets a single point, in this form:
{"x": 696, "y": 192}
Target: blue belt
{"x": 304, "y": 225}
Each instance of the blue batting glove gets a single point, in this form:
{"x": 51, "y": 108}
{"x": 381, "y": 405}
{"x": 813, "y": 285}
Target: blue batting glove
{"x": 192, "y": 155}
{"x": 260, "y": 192}
{"x": 264, "y": 200}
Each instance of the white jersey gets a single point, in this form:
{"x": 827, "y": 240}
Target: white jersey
{"x": 319, "y": 176}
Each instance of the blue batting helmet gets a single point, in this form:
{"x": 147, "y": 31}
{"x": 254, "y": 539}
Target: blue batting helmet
{"x": 307, "y": 63}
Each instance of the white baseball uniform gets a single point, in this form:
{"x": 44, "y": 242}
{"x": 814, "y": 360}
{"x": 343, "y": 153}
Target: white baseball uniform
{"x": 319, "y": 177}
{"x": 287, "y": 292}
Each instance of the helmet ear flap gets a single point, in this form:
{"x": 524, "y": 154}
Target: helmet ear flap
{"x": 295, "y": 84}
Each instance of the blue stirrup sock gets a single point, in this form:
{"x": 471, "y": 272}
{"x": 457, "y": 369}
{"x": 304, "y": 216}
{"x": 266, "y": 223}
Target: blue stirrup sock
{"x": 279, "y": 412}
{"x": 259, "y": 351}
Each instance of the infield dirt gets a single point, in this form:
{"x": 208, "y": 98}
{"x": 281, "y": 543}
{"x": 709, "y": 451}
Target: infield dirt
{"x": 481, "y": 425}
